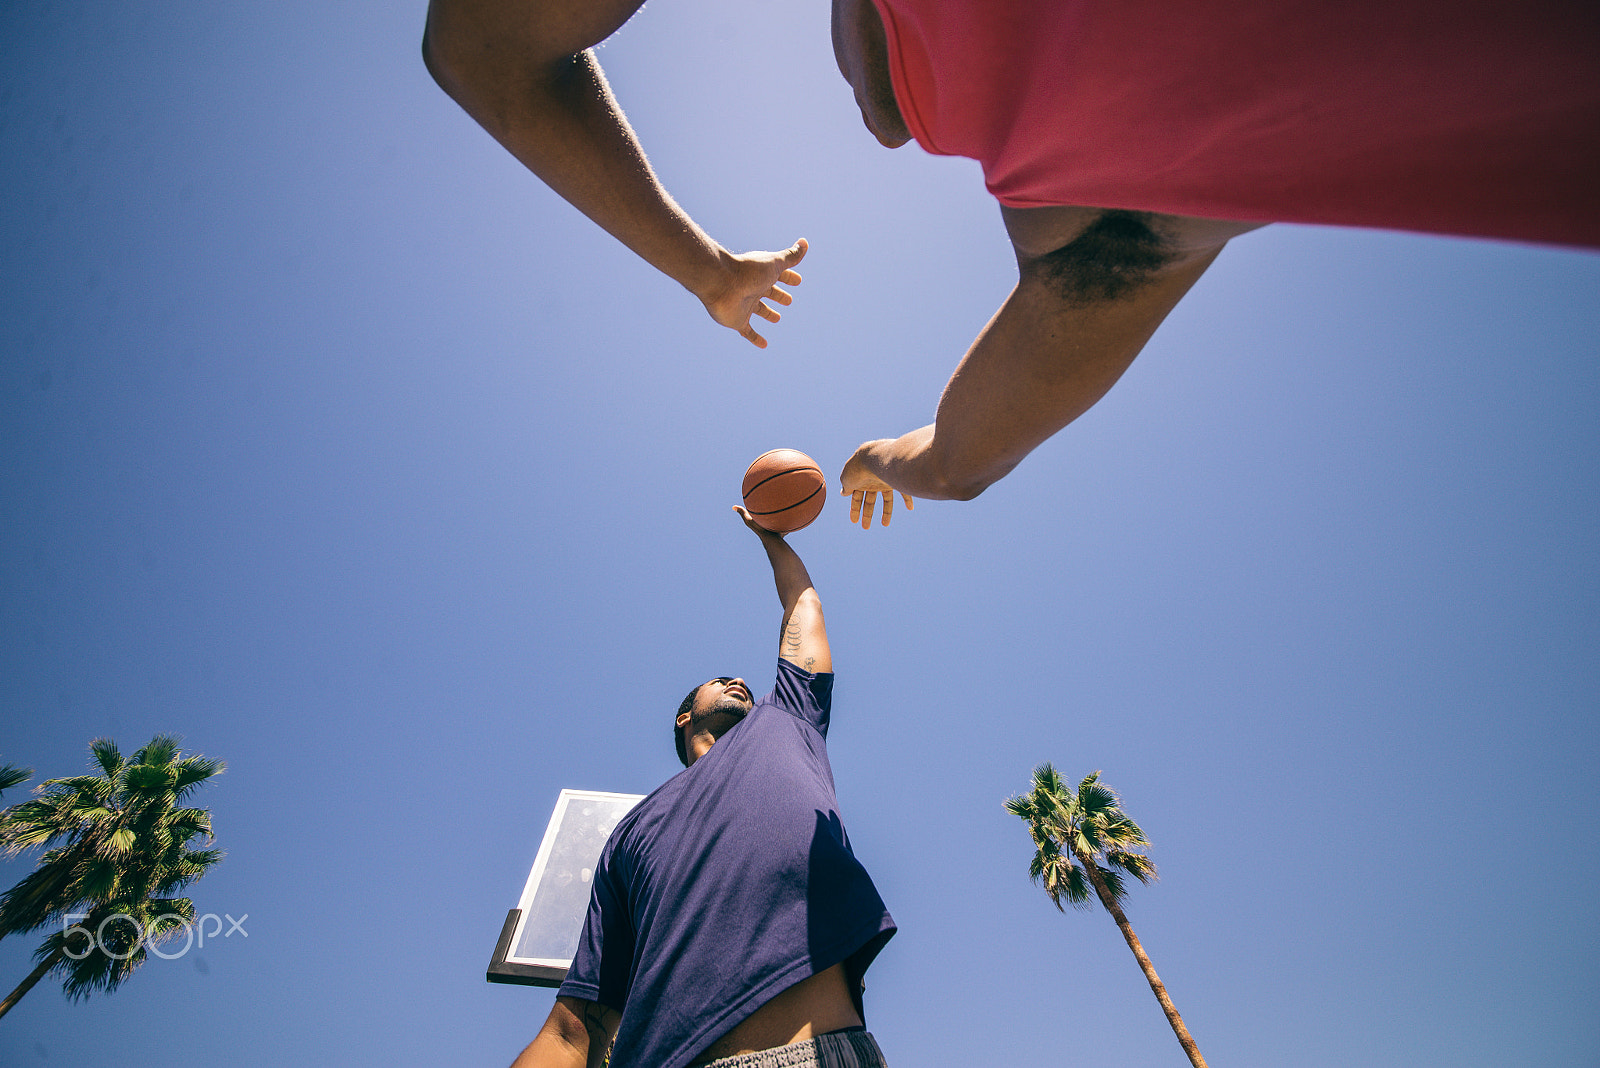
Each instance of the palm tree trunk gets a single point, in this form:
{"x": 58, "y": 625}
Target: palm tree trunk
{"x": 27, "y": 984}
{"x": 1150, "y": 975}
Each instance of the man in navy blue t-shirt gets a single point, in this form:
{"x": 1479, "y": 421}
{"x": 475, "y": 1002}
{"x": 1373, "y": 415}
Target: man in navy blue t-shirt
{"x": 730, "y": 922}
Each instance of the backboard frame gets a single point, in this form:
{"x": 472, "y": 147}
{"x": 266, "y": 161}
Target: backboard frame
{"x": 507, "y": 965}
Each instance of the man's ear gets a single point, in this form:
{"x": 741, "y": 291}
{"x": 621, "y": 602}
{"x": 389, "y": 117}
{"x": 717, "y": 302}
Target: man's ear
{"x": 683, "y": 718}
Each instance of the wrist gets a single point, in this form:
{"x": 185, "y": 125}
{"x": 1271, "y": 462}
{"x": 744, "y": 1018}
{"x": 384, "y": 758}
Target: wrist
{"x": 711, "y": 277}
{"x": 875, "y": 454}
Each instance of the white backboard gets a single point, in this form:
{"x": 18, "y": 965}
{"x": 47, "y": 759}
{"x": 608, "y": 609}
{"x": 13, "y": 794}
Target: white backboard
{"x": 541, "y": 934}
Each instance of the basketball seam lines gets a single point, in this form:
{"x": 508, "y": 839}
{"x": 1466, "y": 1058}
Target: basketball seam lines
{"x": 777, "y": 474}
{"x": 796, "y": 504}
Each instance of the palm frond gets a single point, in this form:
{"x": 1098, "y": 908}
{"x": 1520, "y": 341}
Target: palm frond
{"x": 1113, "y": 880}
{"x": 149, "y": 779}
{"x": 159, "y": 751}
{"x": 106, "y": 755}
{"x": 1077, "y": 890}
{"x": 1021, "y": 805}
{"x": 188, "y": 822}
{"x": 1048, "y": 779}
{"x": 1062, "y": 879}
{"x": 40, "y": 898}
{"x": 194, "y": 770}
{"x": 1120, "y": 830}
{"x": 112, "y": 951}
{"x": 120, "y": 842}
{"x": 180, "y": 907}
{"x": 1036, "y": 866}
{"x": 11, "y": 775}
{"x": 1137, "y": 865}
{"x": 1096, "y": 800}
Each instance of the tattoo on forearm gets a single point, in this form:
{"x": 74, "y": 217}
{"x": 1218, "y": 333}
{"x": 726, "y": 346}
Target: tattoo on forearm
{"x": 594, "y": 1022}
{"x": 791, "y": 637}
{"x": 810, "y": 662}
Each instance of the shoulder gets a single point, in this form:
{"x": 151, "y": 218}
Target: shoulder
{"x": 793, "y": 680}
{"x": 803, "y": 694}
{"x": 641, "y": 823}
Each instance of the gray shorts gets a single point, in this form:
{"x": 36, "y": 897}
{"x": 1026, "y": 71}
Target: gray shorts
{"x": 840, "y": 1049}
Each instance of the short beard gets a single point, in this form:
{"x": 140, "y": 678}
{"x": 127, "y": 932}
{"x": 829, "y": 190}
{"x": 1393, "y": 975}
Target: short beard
{"x": 724, "y": 705}
{"x": 719, "y": 718}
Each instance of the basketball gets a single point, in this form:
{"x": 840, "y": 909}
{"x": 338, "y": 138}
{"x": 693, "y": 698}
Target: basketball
{"x": 784, "y": 490}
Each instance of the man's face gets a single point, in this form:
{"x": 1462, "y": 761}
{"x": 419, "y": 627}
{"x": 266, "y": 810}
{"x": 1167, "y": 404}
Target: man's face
{"x": 724, "y": 695}
{"x": 718, "y": 705}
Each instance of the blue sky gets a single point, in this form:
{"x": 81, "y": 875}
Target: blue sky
{"x": 338, "y": 445}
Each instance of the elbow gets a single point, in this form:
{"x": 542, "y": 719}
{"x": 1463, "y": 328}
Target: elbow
{"x": 963, "y": 479}
{"x": 967, "y": 489}
{"x": 494, "y": 80}
{"x": 805, "y": 607}
{"x": 438, "y": 56}
{"x": 460, "y": 57}
{"x": 953, "y": 467}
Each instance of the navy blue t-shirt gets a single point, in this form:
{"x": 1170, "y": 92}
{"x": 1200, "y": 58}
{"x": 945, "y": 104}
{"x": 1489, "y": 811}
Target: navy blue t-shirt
{"x": 730, "y": 883}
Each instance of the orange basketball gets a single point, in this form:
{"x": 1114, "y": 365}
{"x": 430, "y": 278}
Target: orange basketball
{"x": 784, "y": 490}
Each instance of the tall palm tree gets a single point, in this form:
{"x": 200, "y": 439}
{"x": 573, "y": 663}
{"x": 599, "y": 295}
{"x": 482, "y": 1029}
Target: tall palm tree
{"x": 120, "y": 851}
{"x": 1083, "y": 839}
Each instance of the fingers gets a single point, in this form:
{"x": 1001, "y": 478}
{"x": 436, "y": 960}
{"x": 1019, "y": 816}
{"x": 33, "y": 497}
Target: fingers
{"x": 751, "y": 336}
{"x": 793, "y": 255}
{"x": 863, "y": 503}
{"x": 869, "y": 503}
{"x": 782, "y": 296}
{"x": 755, "y": 527}
{"x": 748, "y": 519}
{"x": 771, "y": 315}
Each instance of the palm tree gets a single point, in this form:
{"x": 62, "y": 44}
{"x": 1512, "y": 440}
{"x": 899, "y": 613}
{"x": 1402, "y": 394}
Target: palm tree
{"x": 120, "y": 852}
{"x": 1084, "y": 839}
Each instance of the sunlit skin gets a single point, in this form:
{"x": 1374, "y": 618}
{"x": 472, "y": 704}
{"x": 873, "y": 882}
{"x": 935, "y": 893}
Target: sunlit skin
{"x": 718, "y": 705}
{"x": 525, "y": 71}
{"x": 1042, "y": 360}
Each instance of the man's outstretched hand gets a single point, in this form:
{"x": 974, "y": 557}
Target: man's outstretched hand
{"x": 750, "y": 521}
{"x": 864, "y": 488}
{"x": 749, "y": 281}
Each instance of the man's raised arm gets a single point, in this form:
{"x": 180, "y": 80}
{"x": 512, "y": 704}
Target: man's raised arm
{"x": 802, "y": 635}
{"x": 524, "y": 70}
{"x": 1093, "y": 286}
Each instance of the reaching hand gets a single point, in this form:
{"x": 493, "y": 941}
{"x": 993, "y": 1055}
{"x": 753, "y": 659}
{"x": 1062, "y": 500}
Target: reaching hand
{"x": 752, "y": 280}
{"x": 750, "y": 522}
{"x": 864, "y": 487}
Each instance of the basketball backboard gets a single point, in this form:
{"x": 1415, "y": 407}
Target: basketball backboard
{"x": 540, "y": 935}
